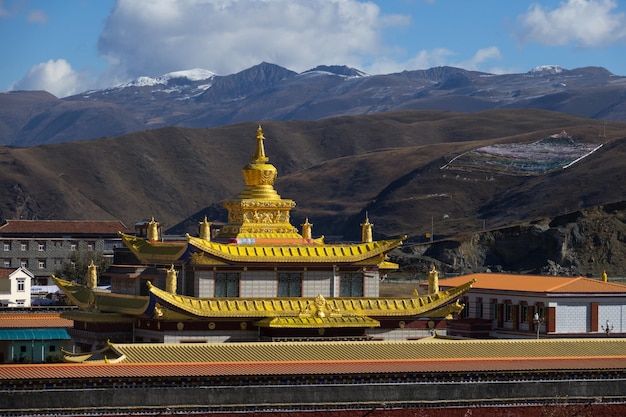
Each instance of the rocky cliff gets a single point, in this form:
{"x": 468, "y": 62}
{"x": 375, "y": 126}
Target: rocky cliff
{"x": 585, "y": 242}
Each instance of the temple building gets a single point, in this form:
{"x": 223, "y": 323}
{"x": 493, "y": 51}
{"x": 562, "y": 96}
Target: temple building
{"x": 255, "y": 278}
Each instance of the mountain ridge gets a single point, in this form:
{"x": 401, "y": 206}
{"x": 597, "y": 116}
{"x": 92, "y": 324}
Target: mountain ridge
{"x": 270, "y": 92}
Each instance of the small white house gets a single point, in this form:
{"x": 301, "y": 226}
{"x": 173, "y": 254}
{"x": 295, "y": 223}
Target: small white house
{"x": 507, "y": 305}
{"x": 15, "y": 287}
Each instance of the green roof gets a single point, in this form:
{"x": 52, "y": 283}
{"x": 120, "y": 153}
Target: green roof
{"x": 34, "y": 334}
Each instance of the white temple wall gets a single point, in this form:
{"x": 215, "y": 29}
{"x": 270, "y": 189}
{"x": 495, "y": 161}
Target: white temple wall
{"x": 371, "y": 286}
{"x": 204, "y": 284}
{"x": 317, "y": 282}
{"x": 258, "y": 284}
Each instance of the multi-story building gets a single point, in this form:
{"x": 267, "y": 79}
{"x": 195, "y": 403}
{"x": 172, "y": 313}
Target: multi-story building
{"x": 522, "y": 306}
{"x": 43, "y": 246}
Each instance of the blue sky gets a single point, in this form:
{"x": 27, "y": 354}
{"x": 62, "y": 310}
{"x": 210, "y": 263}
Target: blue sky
{"x": 70, "y": 46}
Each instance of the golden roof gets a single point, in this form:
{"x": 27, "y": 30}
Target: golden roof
{"x": 148, "y": 251}
{"x": 423, "y": 349}
{"x": 102, "y": 301}
{"x": 305, "y": 253}
{"x": 306, "y": 306}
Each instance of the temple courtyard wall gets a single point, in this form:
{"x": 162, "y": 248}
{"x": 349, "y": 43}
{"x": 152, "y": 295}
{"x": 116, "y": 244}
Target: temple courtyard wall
{"x": 392, "y": 394}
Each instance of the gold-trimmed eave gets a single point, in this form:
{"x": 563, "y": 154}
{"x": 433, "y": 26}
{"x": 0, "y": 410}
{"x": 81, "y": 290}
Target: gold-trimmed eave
{"x": 317, "y": 322}
{"x": 295, "y": 307}
{"x": 90, "y": 300}
{"x": 306, "y": 253}
{"x": 154, "y": 252}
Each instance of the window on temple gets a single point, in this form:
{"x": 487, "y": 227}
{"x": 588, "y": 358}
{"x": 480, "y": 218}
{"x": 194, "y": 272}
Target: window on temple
{"x": 479, "y": 309}
{"x": 24, "y": 246}
{"x": 41, "y": 246}
{"x": 7, "y": 246}
{"x": 227, "y": 284}
{"x": 289, "y": 284}
{"x": 41, "y": 263}
{"x": 508, "y": 312}
{"x": 524, "y": 313}
{"x": 351, "y": 285}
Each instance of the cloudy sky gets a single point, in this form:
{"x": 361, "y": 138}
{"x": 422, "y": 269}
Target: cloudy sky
{"x": 69, "y": 46}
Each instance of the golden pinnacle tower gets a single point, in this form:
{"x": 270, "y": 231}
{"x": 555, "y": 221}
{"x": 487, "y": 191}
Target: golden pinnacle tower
{"x": 258, "y": 211}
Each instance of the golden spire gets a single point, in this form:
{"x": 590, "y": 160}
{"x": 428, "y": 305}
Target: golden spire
{"x": 92, "y": 275}
{"x": 259, "y": 153}
{"x": 306, "y": 229}
{"x": 205, "y": 229}
{"x": 153, "y": 230}
{"x": 433, "y": 280}
{"x": 170, "y": 280}
{"x": 366, "y": 230}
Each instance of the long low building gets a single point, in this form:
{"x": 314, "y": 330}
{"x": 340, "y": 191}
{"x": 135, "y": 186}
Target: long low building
{"x": 433, "y": 373}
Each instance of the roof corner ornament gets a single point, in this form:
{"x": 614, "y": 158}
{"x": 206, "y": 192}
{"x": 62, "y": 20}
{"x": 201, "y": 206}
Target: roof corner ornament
{"x": 259, "y": 153}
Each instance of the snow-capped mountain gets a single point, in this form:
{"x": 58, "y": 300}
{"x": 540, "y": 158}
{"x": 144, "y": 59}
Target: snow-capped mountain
{"x": 200, "y": 98}
{"x": 196, "y": 74}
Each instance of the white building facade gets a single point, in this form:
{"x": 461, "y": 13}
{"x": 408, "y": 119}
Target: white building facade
{"x": 15, "y": 287}
{"x": 503, "y": 306}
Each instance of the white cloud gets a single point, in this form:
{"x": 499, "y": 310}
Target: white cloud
{"x": 480, "y": 58}
{"x": 55, "y": 76}
{"x": 587, "y": 23}
{"x": 153, "y": 37}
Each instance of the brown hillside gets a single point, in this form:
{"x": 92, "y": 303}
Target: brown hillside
{"x": 335, "y": 169}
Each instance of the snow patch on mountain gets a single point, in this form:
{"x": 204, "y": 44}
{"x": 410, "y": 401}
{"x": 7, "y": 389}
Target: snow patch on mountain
{"x": 546, "y": 70}
{"x": 193, "y": 75}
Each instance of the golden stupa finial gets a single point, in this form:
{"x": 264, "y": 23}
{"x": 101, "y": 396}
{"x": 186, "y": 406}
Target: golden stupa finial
{"x": 259, "y": 153}
{"x": 366, "y": 230}
{"x": 605, "y": 277}
{"x": 170, "y": 280}
{"x": 307, "y": 229}
{"x": 433, "y": 280}
{"x": 92, "y": 275}
{"x": 153, "y": 230}
{"x": 205, "y": 229}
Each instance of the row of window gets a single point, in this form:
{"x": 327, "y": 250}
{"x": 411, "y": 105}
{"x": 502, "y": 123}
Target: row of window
{"x": 289, "y": 284}
{"x": 30, "y": 263}
{"x": 524, "y": 311}
{"x": 41, "y": 246}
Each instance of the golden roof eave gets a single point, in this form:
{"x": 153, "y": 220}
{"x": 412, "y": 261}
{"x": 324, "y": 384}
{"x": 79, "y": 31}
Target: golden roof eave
{"x": 305, "y": 253}
{"x": 300, "y": 306}
{"x": 150, "y": 252}
{"x": 100, "y": 301}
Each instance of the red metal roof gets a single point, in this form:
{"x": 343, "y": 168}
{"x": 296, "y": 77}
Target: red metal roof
{"x": 63, "y": 226}
{"x": 32, "y": 320}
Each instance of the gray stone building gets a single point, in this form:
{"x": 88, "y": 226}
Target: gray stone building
{"x": 43, "y": 246}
